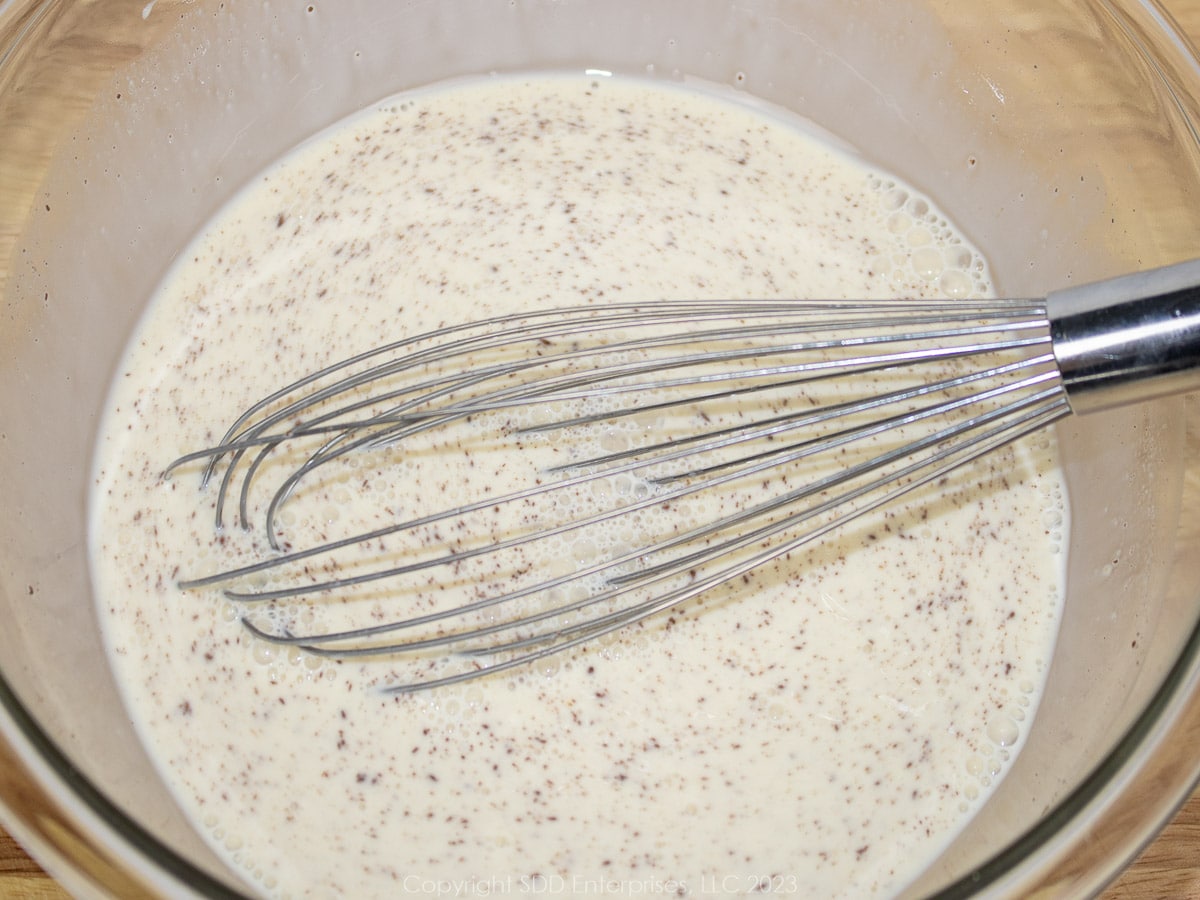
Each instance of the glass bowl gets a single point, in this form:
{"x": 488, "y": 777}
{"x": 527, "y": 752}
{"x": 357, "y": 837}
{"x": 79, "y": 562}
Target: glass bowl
{"x": 1061, "y": 136}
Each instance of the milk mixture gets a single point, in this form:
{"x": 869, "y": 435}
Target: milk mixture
{"x": 822, "y": 730}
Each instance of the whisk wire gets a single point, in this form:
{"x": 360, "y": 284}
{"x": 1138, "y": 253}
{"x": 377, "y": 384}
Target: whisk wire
{"x": 1045, "y": 406}
{"x": 566, "y": 639}
{"x": 637, "y": 458}
{"x": 694, "y": 357}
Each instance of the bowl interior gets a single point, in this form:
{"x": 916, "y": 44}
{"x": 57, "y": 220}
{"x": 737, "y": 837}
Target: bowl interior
{"x": 1018, "y": 120}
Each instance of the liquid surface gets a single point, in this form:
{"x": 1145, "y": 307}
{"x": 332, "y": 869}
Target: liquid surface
{"x": 822, "y": 732}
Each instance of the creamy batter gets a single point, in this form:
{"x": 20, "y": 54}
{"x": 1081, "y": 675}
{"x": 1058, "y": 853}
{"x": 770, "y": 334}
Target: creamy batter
{"x": 823, "y": 731}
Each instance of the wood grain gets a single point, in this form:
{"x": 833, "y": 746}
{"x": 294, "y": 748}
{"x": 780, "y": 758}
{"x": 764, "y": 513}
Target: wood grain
{"x": 1168, "y": 868}
{"x": 20, "y": 876}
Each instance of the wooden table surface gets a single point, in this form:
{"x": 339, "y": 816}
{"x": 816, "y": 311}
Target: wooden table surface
{"x": 1168, "y": 868}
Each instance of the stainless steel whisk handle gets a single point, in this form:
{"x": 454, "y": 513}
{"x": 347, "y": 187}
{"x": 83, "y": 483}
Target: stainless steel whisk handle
{"x": 1128, "y": 339}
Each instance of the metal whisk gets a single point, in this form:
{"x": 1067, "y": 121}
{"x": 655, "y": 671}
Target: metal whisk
{"x": 661, "y": 450}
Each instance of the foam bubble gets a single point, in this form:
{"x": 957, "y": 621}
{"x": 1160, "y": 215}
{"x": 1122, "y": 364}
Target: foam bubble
{"x": 917, "y": 207}
{"x": 899, "y": 223}
{"x": 264, "y": 653}
{"x": 1003, "y": 731}
{"x": 893, "y": 198}
{"x": 956, "y": 284}
{"x": 918, "y": 236}
{"x": 959, "y": 257}
{"x": 928, "y": 263}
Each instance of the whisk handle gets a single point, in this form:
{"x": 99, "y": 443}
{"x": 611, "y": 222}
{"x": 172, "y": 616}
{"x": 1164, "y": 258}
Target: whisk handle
{"x": 1128, "y": 339}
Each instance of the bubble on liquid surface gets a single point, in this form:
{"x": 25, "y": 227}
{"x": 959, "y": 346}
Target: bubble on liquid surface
{"x": 956, "y": 284}
{"x": 1003, "y": 731}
